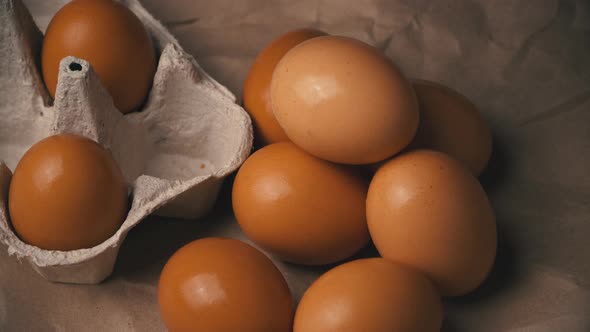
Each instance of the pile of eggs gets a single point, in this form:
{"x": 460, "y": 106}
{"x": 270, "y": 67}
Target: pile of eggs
{"x": 350, "y": 151}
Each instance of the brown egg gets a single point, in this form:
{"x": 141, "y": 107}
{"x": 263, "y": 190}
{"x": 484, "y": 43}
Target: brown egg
{"x": 216, "y": 284}
{"x": 256, "y": 93}
{"x": 427, "y": 210}
{"x": 450, "y": 123}
{"x": 343, "y": 101}
{"x": 301, "y": 208}
{"x": 109, "y": 36}
{"x": 67, "y": 193}
{"x": 370, "y": 295}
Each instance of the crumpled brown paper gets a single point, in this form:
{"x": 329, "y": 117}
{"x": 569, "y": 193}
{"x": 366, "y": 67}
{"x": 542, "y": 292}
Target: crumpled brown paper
{"x": 525, "y": 63}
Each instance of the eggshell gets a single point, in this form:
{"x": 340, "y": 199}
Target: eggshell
{"x": 256, "y": 93}
{"x": 173, "y": 163}
{"x": 106, "y": 34}
{"x": 450, "y": 123}
{"x": 370, "y": 295}
{"x": 67, "y": 193}
{"x": 301, "y": 208}
{"x": 425, "y": 209}
{"x": 216, "y": 284}
{"x": 343, "y": 101}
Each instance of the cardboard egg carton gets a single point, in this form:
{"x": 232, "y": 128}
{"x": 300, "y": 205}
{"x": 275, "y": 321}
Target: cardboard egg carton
{"x": 174, "y": 153}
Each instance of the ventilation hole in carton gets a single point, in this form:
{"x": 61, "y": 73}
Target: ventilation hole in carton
{"x": 74, "y": 66}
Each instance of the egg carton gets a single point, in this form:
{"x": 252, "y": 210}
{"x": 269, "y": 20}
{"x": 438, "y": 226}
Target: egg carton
{"x": 174, "y": 153}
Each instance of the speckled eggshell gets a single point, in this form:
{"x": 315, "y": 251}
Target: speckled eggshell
{"x": 425, "y": 209}
{"x": 344, "y": 101}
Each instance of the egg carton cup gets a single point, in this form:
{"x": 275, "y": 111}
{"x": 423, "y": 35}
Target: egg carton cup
{"x": 174, "y": 153}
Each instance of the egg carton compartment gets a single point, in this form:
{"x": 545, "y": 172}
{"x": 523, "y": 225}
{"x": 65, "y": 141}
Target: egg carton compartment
{"x": 189, "y": 135}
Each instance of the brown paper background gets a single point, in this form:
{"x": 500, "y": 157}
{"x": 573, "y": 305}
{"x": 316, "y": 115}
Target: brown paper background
{"x": 525, "y": 63}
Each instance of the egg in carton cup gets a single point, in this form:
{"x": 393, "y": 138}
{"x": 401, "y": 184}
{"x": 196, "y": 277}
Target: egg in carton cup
{"x": 174, "y": 153}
